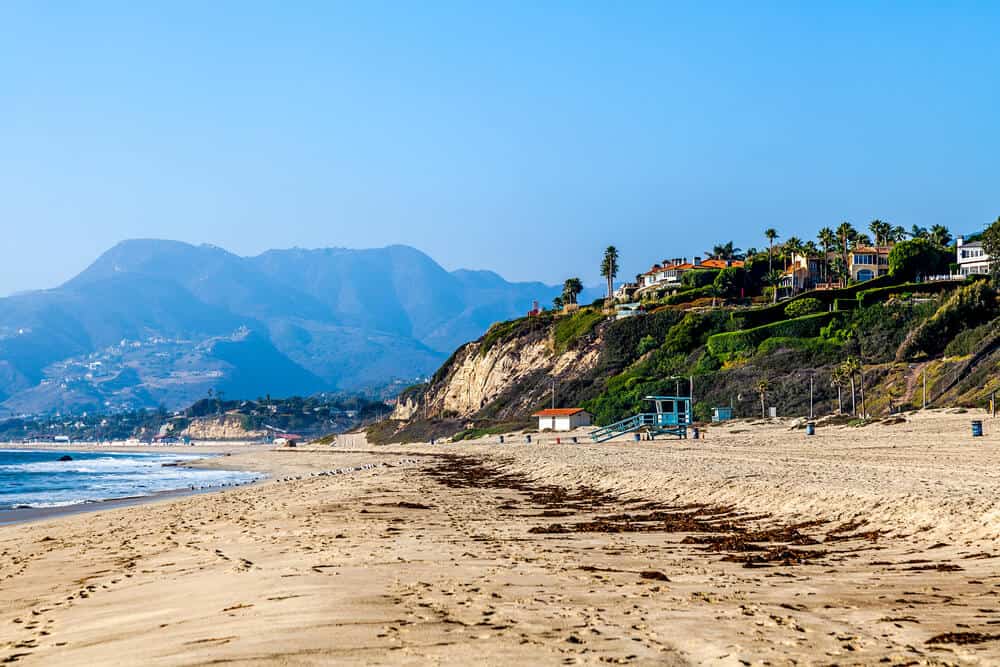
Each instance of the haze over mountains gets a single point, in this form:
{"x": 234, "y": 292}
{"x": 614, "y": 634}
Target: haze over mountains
{"x": 155, "y": 322}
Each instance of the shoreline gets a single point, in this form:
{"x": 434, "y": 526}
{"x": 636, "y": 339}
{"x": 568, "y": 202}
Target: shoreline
{"x": 759, "y": 544}
{"x": 21, "y": 515}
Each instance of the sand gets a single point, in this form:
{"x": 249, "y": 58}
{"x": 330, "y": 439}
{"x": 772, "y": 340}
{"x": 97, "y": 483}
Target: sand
{"x": 757, "y": 545}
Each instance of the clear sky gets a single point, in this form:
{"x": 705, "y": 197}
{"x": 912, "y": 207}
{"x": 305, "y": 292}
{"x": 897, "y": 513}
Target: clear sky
{"x": 521, "y": 137}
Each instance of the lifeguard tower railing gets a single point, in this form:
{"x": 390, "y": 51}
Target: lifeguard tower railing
{"x": 672, "y": 417}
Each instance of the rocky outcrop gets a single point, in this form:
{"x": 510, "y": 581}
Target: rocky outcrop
{"x": 504, "y": 380}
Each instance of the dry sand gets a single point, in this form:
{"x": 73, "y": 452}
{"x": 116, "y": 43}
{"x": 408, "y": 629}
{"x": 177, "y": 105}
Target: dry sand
{"x": 665, "y": 552}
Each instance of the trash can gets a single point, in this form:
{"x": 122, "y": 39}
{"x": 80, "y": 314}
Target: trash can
{"x": 810, "y": 429}
{"x": 977, "y": 428}
{"x": 501, "y": 439}
{"x": 558, "y": 441}
{"x": 527, "y": 439}
{"x": 695, "y": 433}
{"x": 573, "y": 439}
{"x": 638, "y": 437}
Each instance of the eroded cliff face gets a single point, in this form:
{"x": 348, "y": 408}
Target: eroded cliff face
{"x": 225, "y": 427}
{"x": 506, "y": 381}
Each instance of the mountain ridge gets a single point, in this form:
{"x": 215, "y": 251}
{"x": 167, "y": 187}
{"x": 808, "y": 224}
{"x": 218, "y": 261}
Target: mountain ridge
{"x": 331, "y": 318}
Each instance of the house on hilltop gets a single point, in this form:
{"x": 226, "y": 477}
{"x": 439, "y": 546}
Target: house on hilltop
{"x": 670, "y": 272}
{"x": 971, "y": 258}
{"x": 868, "y": 262}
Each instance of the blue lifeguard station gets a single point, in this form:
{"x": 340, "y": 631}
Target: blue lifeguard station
{"x": 672, "y": 416}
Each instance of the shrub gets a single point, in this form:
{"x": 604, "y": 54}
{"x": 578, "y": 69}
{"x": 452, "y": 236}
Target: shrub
{"x": 572, "y": 328}
{"x": 646, "y": 343}
{"x": 842, "y": 305}
{"x": 686, "y": 296}
{"x": 970, "y": 340}
{"x": 969, "y": 307}
{"x": 803, "y": 307}
{"x": 699, "y": 277}
{"x": 747, "y": 340}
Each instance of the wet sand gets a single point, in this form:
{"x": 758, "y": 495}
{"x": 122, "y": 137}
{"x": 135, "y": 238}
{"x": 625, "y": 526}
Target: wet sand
{"x": 757, "y": 545}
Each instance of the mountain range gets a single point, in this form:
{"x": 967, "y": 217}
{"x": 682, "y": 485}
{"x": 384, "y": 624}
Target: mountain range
{"x": 155, "y": 322}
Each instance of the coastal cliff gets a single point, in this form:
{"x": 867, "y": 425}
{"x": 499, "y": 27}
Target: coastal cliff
{"x": 224, "y": 427}
{"x": 893, "y": 345}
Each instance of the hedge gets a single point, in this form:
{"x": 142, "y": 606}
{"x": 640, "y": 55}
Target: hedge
{"x": 870, "y": 296}
{"x": 841, "y": 305}
{"x": 756, "y": 317}
{"x": 747, "y": 340}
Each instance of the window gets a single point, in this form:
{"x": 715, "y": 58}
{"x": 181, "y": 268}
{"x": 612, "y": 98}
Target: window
{"x": 865, "y": 274}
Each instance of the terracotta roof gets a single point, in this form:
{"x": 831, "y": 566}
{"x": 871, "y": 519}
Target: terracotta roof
{"x": 713, "y": 263}
{"x": 558, "y": 412}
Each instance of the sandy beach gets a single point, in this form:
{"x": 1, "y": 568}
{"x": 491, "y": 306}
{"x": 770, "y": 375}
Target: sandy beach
{"x": 755, "y": 545}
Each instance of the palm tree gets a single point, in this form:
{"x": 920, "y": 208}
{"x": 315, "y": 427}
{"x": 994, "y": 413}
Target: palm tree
{"x": 849, "y": 368}
{"x": 845, "y": 234}
{"x": 773, "y": 278}
{"x": 880, "y": 231}
{"x": 571, "y": 289}
{"x": 897, "y": 234}
{"x": 762, "y": 388}
{"x": 837, "y": 380}
{"x": 725, "y": 251}
{"x": 940, "y": 235}
{"x": 918, "y": 232}
{"x": 771, "y": 235}
{"x": 828, "y": 241}
{"x": 609, "y": 269}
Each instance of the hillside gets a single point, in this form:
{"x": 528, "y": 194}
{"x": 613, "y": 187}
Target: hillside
{"x": 153, "y": 322}
{"x": 896, "y": 333}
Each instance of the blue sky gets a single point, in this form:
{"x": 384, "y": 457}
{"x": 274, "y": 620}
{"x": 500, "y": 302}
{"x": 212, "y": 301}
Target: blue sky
{"x": 506, "y": 136}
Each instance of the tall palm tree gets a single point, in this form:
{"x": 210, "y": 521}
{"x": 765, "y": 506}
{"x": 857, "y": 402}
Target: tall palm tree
{"x": 918, "y": 232}
{"x": 880, "y": 231}
{"x": 771, "y": 235}
{"x": 828, "y": 241}
{"x": 609, "y": 269}
{"x": 845, "y": 234}
{"x": 849, "y": 368}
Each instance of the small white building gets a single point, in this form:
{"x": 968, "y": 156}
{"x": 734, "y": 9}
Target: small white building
{"x": 562, "y": 419}
{"x": 972, "y": 259}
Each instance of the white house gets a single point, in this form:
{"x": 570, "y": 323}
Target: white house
{"x": 562, "y": 419}
{"x": 972, "y": 259}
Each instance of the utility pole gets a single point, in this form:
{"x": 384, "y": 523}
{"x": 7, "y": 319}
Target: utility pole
{"x": 925, "y": 387}
{"x": 861, "y": 373}
{"x": 810, "y": 397}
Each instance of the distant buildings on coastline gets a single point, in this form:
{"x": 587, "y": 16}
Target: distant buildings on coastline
{"x": 971, "y": 259}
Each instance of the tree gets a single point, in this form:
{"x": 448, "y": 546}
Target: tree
{"x": 828, "y": 241}
{"x": 991, "y": 246}
{"x": 837, "y": 380}
{"x": 729, "y": 280}
{"x": 845, "y": 235}
{"x": 725, "y": 251}
{"x": 940, "y": 235}
{"x": 916, "y": 257}
{"x": 571, "y": 289}
{"x": 609, "y": 269}
{"x": 773, "y": 278}
{"x": 557, "y": 303}
{"x": 771, "y": 235}
{"x": 918, "y": 232}
{"x": 762, "y": 387}
{"x": 848, "y": 369}
{"x": 897, "y": 234}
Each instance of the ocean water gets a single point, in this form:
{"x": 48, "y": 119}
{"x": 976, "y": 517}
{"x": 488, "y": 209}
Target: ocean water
{"x": 37, "y": 478}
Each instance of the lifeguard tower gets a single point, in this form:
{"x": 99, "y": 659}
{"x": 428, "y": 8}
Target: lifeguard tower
{"x": 672, "y": 416}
